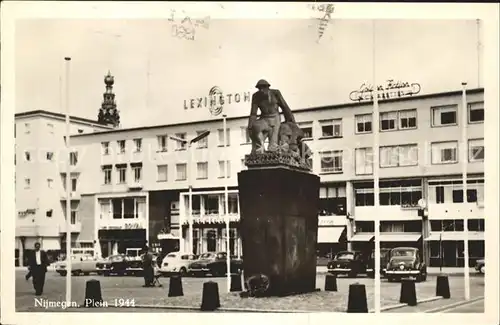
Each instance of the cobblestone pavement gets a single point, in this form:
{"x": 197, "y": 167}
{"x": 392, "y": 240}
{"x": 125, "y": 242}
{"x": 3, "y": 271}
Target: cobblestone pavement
{"x": 128, "y": 290}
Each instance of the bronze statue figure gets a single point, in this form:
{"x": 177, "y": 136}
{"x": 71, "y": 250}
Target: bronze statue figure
{"x": 285, "y": 138}
{"x": 267, "y": 125}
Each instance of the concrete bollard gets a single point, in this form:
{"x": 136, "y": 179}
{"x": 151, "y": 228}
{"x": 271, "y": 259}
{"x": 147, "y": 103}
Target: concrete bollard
{"x": 235, "y": 283}
{"x": 210, "y": 299}
{"x": 357, "y": 302}
{"x": 175, "y": 286}
{"x": 443, "y": 287}
{"x": 93, "y": 295}
{"x": 408, "y": 293}
{"x": 330, "y": 282}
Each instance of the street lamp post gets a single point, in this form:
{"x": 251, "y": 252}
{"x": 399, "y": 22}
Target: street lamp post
{"x": 465, "y": 160}
{"x": 68, "y": 193}
{"x": 226, "y": 205}
{"x": 190, "y": 143}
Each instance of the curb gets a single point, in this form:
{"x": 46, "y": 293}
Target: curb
{"x": 456, "y": 304}
{"x": 218, "y": 309}
{"x": 396, "y": 306}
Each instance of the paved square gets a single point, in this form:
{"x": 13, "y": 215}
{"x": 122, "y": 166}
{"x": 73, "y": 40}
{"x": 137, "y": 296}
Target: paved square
{"x": 129, "y": 289}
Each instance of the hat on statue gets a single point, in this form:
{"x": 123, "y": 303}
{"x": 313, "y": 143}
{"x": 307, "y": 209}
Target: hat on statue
{"x": 262, "y": 84}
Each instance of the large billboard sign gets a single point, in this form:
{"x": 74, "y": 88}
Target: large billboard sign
{"x": 391, "y": 89}
{"x": 216, "y": 99}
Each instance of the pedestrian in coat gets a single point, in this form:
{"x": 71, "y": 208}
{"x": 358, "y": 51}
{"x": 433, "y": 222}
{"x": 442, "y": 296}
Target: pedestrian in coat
{"x": 148, "y": 268}
{"x": 37, "y": 266}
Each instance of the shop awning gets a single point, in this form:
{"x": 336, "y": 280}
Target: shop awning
{"x": 329, "y": 234}
{"x": 362, "y": 237}
{"x": 51, "y": 244}
{"x": 400, "y": 237}
{"x": 455, "y": 236}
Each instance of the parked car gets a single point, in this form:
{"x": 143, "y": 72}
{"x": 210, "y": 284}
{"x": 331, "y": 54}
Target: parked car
{"x": 177, "y": 263}
{"x": 214, "y": 264}
{"x": 406, "y": 262}
{"x": 480, "y": 266}
{"x": 349, "y": 263}
{"x": 134, "y": 260}
{"x": 114, "y": 264}
{"x": 80, "y": 264}
{"x": 384, "y": 259}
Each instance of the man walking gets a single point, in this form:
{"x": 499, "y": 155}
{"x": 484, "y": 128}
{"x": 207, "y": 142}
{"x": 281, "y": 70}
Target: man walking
{"x": 147, "y": 267}
{"x": 37, "y": 266}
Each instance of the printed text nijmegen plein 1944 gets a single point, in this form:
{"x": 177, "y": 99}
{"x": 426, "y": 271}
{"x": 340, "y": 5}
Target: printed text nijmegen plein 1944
{"x": 117, "y": 302}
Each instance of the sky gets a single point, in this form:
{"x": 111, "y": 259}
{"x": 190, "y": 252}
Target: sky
{"x": 155, "y": 72}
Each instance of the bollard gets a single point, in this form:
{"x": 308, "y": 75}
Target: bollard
{"x": 330, "y": 282}
{"x": 175, "y": 287}
{"x": 357, "y": 299}
{"x": 235, "y": 283}
{"x": 443, "y": 287}
{"x": 408, "y": 293}
{"x": 210, "y": 299}
{"x": 93, "y": 295}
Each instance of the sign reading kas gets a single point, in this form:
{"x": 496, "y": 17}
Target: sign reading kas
{"x": 391, "y": 89}
{"x": 215, "y": 100}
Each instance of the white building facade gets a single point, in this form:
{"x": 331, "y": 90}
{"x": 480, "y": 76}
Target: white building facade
{"x": 136, "y": 180}
{"x": 40, "y": 182}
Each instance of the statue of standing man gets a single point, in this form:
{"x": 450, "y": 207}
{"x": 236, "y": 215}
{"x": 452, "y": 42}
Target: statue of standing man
{"x": 268, "y": 124}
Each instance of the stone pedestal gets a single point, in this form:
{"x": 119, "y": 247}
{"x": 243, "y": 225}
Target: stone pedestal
{"x": 279, "y": 227}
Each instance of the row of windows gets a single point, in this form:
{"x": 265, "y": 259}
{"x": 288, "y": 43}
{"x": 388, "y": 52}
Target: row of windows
{"x": 390, "y": 226}
{"x": 393, "y": 120}
{"x": 457, "y": 225}
{"x": 123, "y": 208}
{"x": 400, "y": 156}
{"x": 409, "y": 196}
{"x": 49, "y": 156}
{"x": 162, "y": 172}
{"x": 397, "y": 120}
{"x": 416, "y": 226}
{"x": 50, "y": 128}
{"x": 162, "y": 142}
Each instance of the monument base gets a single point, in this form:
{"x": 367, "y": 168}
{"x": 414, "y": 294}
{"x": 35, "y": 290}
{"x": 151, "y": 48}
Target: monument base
{"x": 279, "y": 227}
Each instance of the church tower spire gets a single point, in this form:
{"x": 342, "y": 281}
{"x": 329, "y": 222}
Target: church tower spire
{"x": 108, "y": 114}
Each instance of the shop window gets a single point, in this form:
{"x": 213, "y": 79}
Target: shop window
{"x": 476, "y": 249}
{"x": 128, "y": 208}
{"x": 459, "y": 225}
{"x": 476, "y": 224}
{"x": 458, "y": 196}
{"x": 117, "y": 208}
{"x": 196, "y": 206}
{"x": 472, "y": 195}
{"x": 436, "y": 225}
{"x": 365, "y": 199}
{"x": 448, "y": 225}
{"x": 439, "y": 194}
{"x": 365, "y": 226}
{"x": 435, "y": 249}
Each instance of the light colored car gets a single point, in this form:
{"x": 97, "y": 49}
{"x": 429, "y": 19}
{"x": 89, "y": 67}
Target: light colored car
{"x": 177, "y": 263}
{"x": 80, "y": 264}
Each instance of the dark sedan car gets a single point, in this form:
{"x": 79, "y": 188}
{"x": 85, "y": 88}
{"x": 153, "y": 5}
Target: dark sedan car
{"x": 214, "y": 264}
{"x": 114, "y": 264}
{"x": 350, "y": 263}
{"x": 406, "y": 262}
